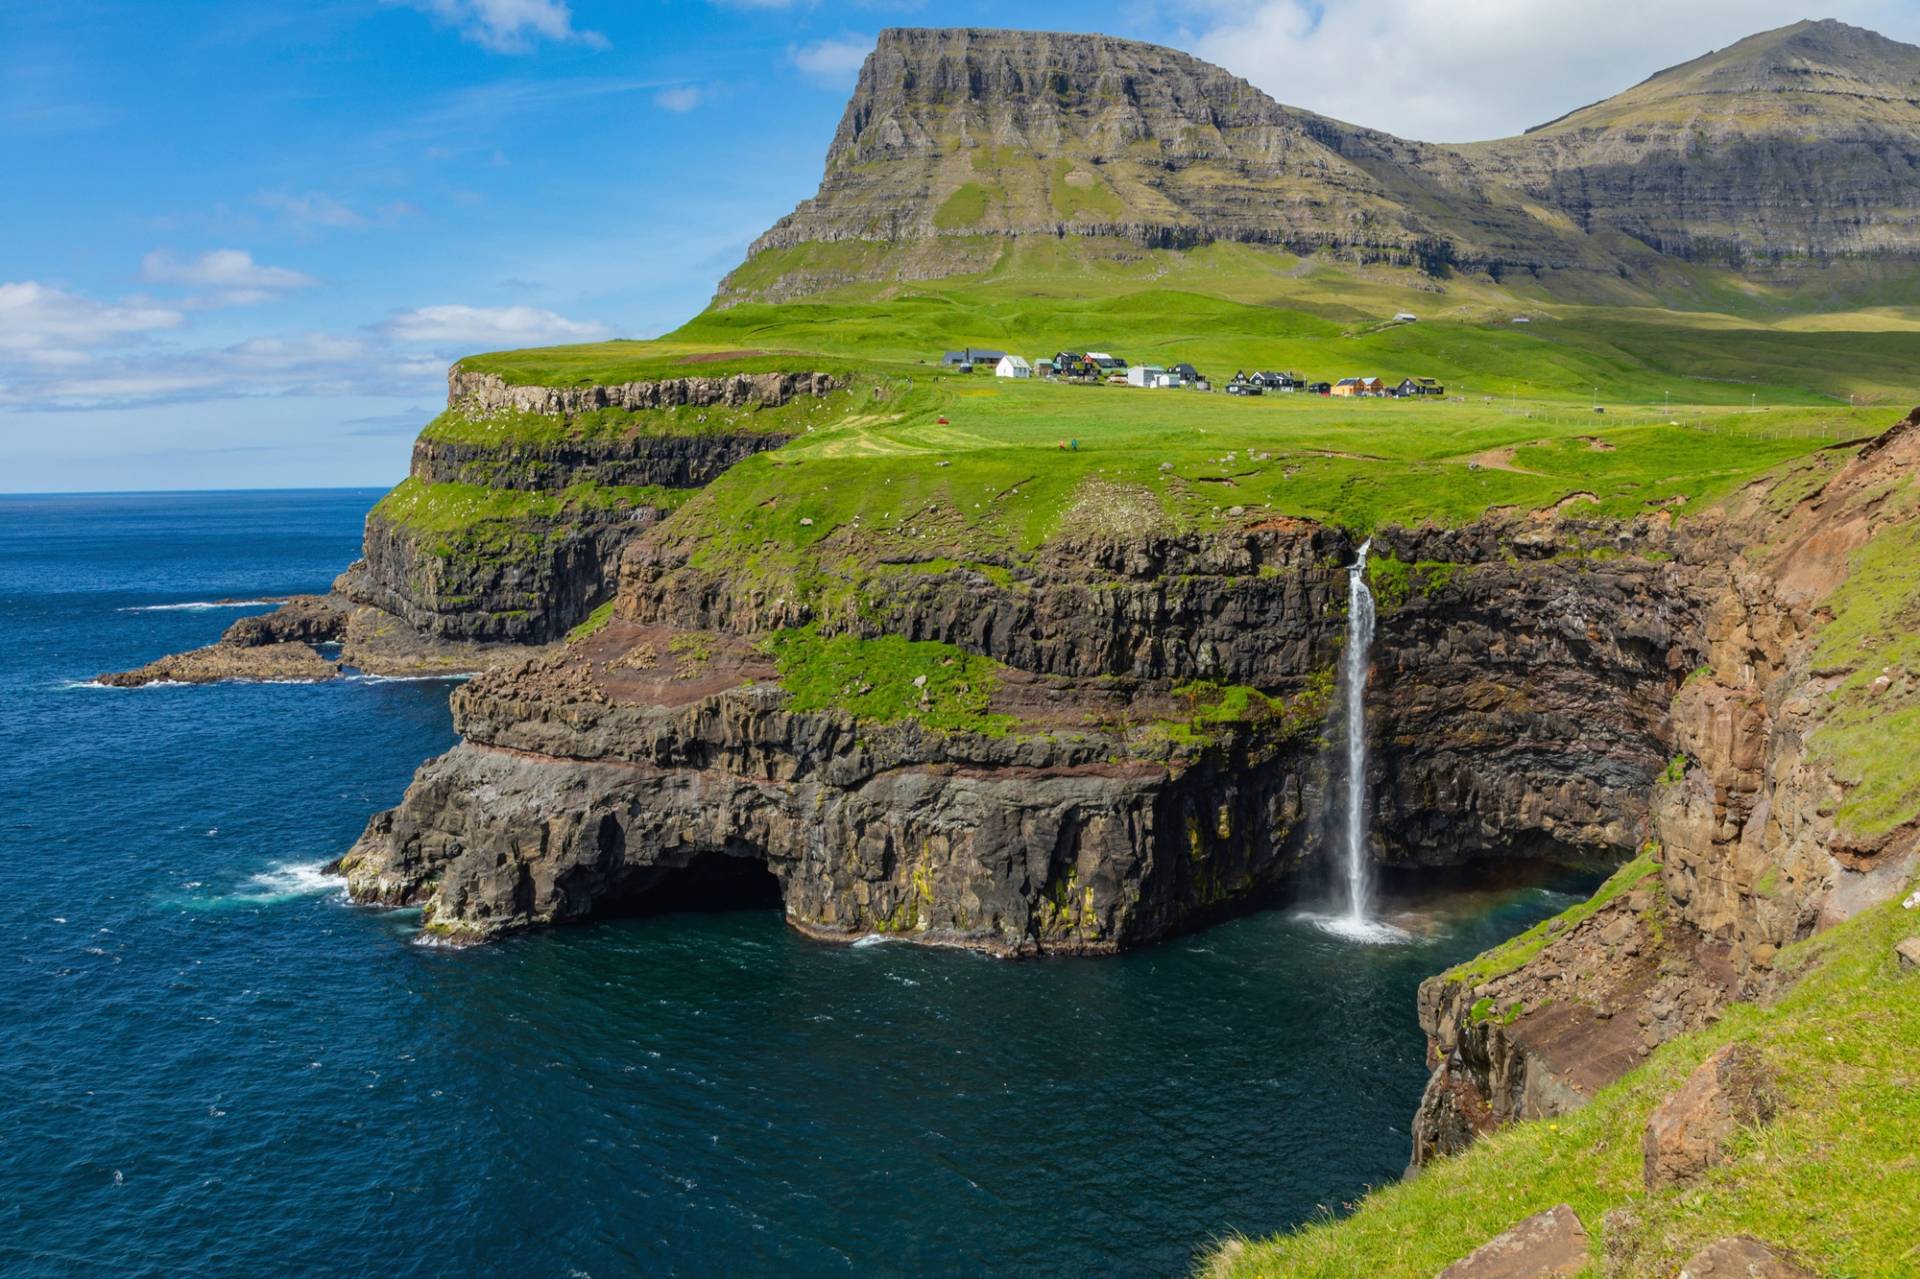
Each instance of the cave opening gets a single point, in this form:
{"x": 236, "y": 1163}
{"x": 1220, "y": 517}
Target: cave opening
{"x": 709, "y": 883}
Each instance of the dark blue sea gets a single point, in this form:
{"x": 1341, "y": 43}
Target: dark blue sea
{"x": 212, "y": 1065}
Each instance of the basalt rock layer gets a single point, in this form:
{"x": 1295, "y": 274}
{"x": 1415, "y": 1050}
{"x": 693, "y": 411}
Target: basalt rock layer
{"x": 1094, "y": 822}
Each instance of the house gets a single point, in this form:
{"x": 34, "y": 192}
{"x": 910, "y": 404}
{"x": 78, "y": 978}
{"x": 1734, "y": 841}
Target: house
{"x": 1319, "y": 388}
{"x": 1404, "y": 317}
{"x": 1145, "y": 375}
{"x": 1355, "y": 387}
{"x": 1419, "y": 386}
{"x": 965, "y": 358}
{"x": 1523, "y": 319}
{"x": 1185, "y": 374}
{"x": 1043, "y": 369}
{"x": 1107, "y": 363}
{"x": 1285, "y": 382}
{"x": 1013, "y": 366}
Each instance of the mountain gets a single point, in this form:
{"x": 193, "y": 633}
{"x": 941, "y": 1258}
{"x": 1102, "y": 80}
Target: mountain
{"x": 1798, "y": 143}
{"x": 1801, "y": 142}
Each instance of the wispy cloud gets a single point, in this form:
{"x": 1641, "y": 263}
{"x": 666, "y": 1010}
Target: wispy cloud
{"x": 47, "y": 327}
{"x": 833, "y": 63}
{"x": 229, "y": 277}
{"x": 453, "y": 325}
{"x": 680, "y": 98}
{"x": 508, "y": 26}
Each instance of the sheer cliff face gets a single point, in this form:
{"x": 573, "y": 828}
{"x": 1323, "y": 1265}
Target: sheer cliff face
{"x": 954, "y": 133}
{"x": 1802, "y": 142}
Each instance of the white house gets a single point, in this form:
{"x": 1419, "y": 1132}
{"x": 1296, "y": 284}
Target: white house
{"x": 1405, "y": 317}
{"x": 1145, "y": 375}
{"x": 1013, "y": 366}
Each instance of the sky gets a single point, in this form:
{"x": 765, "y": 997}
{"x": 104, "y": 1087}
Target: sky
{"x": 241, "y": 241}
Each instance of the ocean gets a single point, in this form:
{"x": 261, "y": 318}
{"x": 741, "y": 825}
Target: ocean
{"x": 212, "y": 1064}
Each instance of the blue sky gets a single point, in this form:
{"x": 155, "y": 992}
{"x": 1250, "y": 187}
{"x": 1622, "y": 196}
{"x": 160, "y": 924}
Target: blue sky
{"x": 243, "y": 240}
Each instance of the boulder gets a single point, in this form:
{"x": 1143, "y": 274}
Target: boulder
{"x": 1544, "y": 1246}
{"x": 1909, "y": 952}
{"x": 1688, "y": 1132}
{"x": 1741, "y": 1257}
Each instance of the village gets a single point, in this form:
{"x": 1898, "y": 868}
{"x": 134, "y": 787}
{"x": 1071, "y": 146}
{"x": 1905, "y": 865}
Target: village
{"x": 1099, "y": 368}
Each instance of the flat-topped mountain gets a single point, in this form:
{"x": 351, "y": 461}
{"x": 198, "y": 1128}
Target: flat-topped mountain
{"x": 1801, "y": 143}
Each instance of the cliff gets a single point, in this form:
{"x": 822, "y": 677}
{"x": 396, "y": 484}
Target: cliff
{"x": 1797, "y": 144}
{"x": 1146, "y": 751}
{"x": 1780, "y": 812}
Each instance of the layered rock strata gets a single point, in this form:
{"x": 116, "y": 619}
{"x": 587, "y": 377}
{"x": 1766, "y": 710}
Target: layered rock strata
{"x": 589, "y": 777}
{"x": 1751, "y": 855}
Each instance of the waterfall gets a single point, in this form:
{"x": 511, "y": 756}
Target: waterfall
{"x": 1358, "y": 657}
{"x": 1356, "y": 921}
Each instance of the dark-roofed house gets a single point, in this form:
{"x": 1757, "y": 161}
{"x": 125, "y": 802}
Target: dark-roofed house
{"x": 1419, "y": 386}
{"x": 967, "y": 357}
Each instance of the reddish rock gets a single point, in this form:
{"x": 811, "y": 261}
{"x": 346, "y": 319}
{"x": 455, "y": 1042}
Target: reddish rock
{"x": 1688, "y": 1132}
{"x": 1544, "y": 1246}
{"x": 1741, "y": 1257}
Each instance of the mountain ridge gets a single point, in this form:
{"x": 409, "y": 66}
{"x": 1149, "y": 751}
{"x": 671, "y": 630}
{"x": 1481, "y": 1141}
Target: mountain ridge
{"x": 1807, "y": 147}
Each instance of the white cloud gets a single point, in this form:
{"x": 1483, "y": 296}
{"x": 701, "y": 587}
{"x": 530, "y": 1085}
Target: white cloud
{"x": 311, "y": 209}
{"x": 230, "y": 276}
{"x": 1444, "y": 71}
{"x": 499, "y": 326}
{"x": 680, "y": 98}
{"x": 49, "y": 326}
{"x": 508, "y": 26}
{"x": 834, "y": 63}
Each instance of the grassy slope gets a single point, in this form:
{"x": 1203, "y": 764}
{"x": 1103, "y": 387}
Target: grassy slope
{"x": 1835, "y": 1176}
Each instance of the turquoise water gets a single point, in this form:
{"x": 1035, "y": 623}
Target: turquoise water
{"x": 214, "y": 1066}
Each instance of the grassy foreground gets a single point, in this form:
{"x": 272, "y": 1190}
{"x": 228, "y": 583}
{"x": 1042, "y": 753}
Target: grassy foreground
{"x": 1835, "y": 1176}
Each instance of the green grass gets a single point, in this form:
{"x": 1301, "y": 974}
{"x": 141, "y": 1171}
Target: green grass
{"x": 1212, "y": 709}
{"x": 873, "y": 680}
{"x": 795, "y": 417}
{"x": 595, "y": 622}
{"x": 964, "y": 208}
{"x": 453, "y": 509}
{"x": 1515, "y": 951}
{"x": 1834, "y": 1176}
{"x": 1871, "y": 730}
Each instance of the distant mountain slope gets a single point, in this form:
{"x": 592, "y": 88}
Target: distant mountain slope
{"x": 955, "y": 133}
{"x": 1803, "y": 141}
{"x": 1798, "y": 143}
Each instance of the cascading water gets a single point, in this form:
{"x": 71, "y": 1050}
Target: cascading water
{"x": 1357, "y": 921}
{"x": 1360, "y": 618}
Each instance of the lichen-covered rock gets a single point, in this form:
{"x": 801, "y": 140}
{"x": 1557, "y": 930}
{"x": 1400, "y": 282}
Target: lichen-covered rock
{"x": 1547, "y": 1245}
{"x": 1688, "y": 1132}
{"x": 483, "y": 393}
{"x": 1742, "y": 1257}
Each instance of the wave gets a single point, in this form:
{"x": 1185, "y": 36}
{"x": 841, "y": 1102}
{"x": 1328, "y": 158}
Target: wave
{"x": 363, "y": 677}
{"x": 288, "y": 881}
{"x": 197, "y": 606}
{"x": 125, "y": 688}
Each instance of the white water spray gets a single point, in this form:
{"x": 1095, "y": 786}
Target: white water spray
{"x": 1357, "y": 922}
{"x": 1358, "y": 659}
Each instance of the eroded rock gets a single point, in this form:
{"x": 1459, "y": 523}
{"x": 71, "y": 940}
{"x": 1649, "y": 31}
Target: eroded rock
{"x": 1742, "y": 1257}
{"x": 1688, "y": 1133}
{"x": 1548, "y": 1245}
